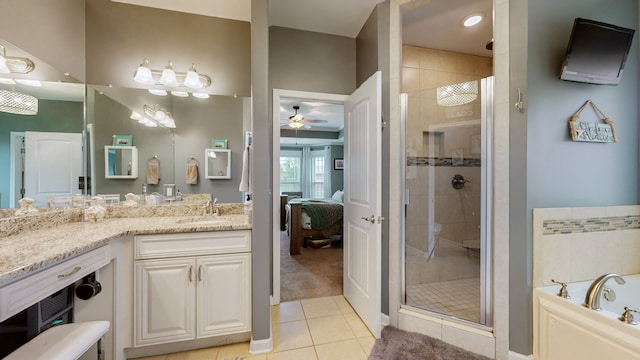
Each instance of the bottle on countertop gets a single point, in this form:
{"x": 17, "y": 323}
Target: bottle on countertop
{"x": 178, "y": 195}
{"x": 248, "y": 209}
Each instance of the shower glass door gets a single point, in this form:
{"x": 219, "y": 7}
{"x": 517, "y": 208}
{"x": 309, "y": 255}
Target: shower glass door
{"x": 447, "y": 241}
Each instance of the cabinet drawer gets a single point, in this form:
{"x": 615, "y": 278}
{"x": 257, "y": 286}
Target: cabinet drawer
{"x": 23, "y": 293}
{"x": 188, "y": 244}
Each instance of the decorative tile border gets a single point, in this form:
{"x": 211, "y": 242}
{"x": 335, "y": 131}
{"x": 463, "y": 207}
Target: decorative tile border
{"x": 441, "y": 161}
{"x": 572, "y": 226}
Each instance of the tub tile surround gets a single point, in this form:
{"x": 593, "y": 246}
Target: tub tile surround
{"x": 50, "y": 238}
{"x": 580, "y": 244}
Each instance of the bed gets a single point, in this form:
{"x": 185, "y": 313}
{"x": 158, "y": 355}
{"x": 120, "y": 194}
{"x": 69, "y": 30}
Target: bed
{"x": 312, "y": 218}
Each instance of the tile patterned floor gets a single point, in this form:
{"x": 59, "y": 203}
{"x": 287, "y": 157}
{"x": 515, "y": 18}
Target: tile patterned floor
{"x": 460, "y": 298}
{"x": 312, "y": 329}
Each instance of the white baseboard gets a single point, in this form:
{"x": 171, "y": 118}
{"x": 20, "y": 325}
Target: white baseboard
{"x": 516, "y": 356}
{"x": 261, "y": 346}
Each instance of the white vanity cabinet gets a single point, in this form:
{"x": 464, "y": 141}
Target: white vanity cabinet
{"x": 191, "y": 286}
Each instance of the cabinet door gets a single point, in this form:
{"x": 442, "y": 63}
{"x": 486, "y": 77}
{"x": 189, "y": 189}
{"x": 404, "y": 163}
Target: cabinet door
{"x": 224, "y": 294}
{"x": 165, "y": 300}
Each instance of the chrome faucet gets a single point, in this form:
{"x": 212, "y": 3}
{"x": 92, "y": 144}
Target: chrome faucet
{"x": 592, "y": 298}
{"x": 216, "y": 208}
{"x": 207, "y": 206}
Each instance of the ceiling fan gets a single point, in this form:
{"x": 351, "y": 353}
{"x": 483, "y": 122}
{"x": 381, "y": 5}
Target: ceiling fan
{"x": 296, "y": 121}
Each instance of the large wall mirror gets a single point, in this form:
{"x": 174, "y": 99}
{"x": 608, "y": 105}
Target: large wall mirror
{"x": 97, "y": 103}
{"x": 41, "y": 126}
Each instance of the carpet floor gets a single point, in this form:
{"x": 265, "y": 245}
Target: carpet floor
{"x": 396, "y": 344}
{"x": 314, "y": 273}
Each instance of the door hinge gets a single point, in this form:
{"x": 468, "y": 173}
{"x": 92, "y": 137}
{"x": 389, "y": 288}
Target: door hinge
{"x": 384, "y": 123}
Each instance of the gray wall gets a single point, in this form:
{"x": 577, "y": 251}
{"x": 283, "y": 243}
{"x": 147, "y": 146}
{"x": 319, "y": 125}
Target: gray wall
{"x": 120, "y": 36}
{"x": 309, "y": 61}
{"x": 261, "y": 239}
{"x": 220, "y": 118}
{"x": 51, "y": 30}
{"x": 53, "y": 116}
{"x": 560, "y": 172}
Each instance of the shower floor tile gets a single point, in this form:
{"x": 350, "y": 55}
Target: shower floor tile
{"x": 459, "y": 298}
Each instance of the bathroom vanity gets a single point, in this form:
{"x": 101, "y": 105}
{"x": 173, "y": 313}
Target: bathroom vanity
{"x": 156, "y": 273}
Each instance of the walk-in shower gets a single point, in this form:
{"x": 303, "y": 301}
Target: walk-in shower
{"x": 447, "y": 259}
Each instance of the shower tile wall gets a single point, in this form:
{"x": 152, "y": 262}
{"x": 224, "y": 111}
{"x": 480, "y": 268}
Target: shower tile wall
{"x": 438, "y": 138}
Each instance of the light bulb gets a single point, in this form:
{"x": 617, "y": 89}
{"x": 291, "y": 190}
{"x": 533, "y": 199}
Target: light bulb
{"x": 158, "y": 92}
{"x": 192, "y": 79}
{"x": 168, "y": 77}
{"x": 200, "y": 95}
{"x": 143, "y": 74}
{"x": 180, "y": 93}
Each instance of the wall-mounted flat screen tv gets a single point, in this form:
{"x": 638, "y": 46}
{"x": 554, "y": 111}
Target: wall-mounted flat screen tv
{"x": 596, "y": 53}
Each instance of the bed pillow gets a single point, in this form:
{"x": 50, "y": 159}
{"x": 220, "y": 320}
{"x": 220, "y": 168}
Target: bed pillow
{"x": 338, "y": 196}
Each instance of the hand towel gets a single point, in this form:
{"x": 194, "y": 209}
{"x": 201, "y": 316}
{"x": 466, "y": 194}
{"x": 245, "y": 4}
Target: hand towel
{"x": 153, "y": 173}
{"x": 245, "y": 180}
{"x": 192, "y": 173}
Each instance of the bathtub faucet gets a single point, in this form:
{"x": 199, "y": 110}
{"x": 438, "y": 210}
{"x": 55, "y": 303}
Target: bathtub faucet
{"x": 592, "y": 298}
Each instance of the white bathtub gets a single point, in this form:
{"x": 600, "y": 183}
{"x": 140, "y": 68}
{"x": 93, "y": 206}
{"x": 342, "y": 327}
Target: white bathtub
{"x": 564, "y": 329}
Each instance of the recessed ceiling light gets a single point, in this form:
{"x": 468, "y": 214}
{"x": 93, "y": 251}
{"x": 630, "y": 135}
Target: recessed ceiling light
{"x": 472, "y": 20}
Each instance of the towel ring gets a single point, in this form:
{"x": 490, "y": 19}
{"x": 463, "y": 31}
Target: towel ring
{"x": 192, "y": 159}
{"x": 154, "y": 158}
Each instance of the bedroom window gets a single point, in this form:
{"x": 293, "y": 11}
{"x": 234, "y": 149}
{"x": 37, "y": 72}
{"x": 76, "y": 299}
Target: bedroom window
{"x": 290, "y": 166}
{"x": 317, "y": 174}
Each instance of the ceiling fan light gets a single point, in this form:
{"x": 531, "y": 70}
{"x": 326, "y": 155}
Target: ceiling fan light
{"x": 168, "y": 77}
{"x": 296, "y": 124}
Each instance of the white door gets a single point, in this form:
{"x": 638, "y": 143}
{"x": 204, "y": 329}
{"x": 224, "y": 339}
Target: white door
{"x": 53, "y": 163}
{"x": 362, "y": 201}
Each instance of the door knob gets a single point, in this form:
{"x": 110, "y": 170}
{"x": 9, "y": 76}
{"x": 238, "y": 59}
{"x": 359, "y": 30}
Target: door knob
{"x": 371, "y": 219}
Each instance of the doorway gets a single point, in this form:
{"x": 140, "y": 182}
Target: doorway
{"x": 280, "y": 237}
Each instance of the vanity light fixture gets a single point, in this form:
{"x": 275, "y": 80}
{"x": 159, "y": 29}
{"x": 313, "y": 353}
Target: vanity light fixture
{"x": 168, "y": 77}
{"x": 457, "y": 94}
{"x": 200, "y": 95}
{"x": 160, "y": 115}
{"x": 158, "y": 92}
{"x": 180, "y": 93}
{"x": 18, "y": 103}
{"x": 472, "y": 20}
{"x": 14, "y": 64}
{"x": 143, "y": 120}
{"x": 171, "y": 78}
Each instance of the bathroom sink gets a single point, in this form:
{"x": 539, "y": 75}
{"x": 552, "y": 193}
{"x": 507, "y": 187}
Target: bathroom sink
{"x": 200, "y": 221}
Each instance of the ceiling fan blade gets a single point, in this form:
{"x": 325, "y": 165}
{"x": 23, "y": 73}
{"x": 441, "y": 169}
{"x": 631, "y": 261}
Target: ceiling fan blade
{"x": 315, "y": 121}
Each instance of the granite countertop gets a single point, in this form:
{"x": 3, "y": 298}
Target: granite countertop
{"x": 29, "y": 251}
